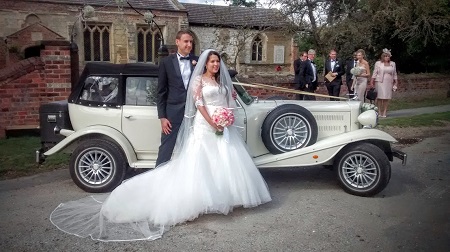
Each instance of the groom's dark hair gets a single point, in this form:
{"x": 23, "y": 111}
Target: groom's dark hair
{"x": 182, "y": 32}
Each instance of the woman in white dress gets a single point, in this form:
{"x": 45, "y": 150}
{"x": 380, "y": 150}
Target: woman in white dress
{"x": 384, "y": 79}
{"x": 209, "y": 173}
{"x": 360, "y": 85}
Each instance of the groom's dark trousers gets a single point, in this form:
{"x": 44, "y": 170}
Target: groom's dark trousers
{"x": 170, "y": 102}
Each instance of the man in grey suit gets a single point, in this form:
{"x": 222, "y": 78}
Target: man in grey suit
{"x": 308, "y": 76}
{"x": 173, "y": 79}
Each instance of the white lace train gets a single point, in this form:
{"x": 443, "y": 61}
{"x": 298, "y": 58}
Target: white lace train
{"x": 145, "y": 206}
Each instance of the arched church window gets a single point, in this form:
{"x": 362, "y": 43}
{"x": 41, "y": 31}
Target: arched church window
{"x": 257, "y": 49}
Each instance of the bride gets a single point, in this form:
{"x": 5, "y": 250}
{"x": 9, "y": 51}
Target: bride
{"x": 209, "y": 173}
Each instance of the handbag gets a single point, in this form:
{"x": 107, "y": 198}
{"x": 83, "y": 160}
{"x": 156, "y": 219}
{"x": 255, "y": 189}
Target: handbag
{"x": 371, "y": 94}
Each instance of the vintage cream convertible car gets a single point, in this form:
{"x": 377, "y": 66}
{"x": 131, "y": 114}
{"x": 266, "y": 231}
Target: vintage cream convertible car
{"x": 109, "y": 124}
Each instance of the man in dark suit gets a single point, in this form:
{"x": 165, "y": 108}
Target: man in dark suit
{"x": 308, "y": 76}
{"x": 173, "y": 79}
{"x": 297, "y": 65}
{"x": 335, "y": 68}
{"x": 348, "y": 75}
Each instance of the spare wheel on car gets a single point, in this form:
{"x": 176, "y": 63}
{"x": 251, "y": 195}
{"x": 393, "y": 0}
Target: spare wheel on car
{"x": 288, "y": 127}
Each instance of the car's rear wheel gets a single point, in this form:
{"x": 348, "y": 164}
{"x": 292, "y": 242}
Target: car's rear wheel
{"x": 362, "y": 169}
{"x": 97, "y": 165}
{"x": 288, "y": 127}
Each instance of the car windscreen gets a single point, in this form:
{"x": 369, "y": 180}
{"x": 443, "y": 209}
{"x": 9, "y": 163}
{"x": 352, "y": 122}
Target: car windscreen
{"x": 243, "y": 94}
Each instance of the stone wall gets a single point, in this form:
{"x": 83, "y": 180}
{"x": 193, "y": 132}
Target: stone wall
{"x": 225, "y": 41}
{"x": 29, "y": 83}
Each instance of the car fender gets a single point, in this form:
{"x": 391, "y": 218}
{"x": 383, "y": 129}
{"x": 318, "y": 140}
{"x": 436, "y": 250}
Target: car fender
{"x": 322, "y": 151}
{"x": 109, "y": 132}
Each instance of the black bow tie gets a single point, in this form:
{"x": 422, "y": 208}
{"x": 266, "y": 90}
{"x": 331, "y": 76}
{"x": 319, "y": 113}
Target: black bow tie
{"x": 184, "y": 58}
{"x": 333, "y": 60}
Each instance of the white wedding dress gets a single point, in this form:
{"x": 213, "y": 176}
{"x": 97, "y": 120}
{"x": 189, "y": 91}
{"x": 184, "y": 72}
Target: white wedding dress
{"x": 212, "y": 175}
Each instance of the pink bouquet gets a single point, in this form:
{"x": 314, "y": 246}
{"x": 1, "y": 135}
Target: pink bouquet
{"x": 223, "y": 117}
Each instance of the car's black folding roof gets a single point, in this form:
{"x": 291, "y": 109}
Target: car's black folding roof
{"x": 106, "y": 68}
{"x": 110, "y": 68}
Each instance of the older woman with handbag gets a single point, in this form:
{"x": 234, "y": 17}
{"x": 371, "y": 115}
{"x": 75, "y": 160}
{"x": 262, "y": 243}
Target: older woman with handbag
{"x": 385, "y": 80}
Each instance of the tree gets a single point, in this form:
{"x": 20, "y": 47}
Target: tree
{"x": 244, "y": 3}
{"x": 417, "y": 31}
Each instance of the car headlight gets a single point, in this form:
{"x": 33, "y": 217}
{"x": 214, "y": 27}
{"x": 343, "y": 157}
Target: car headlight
{"x": 368, "y": 119}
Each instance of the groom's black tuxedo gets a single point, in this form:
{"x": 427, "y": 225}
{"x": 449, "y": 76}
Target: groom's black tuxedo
{"x": 171, "y": 101}
{"x": 171, "y": 90}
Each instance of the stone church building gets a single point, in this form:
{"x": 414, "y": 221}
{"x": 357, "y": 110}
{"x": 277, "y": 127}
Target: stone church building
{"x": 44, "y": 44}
{"x": 251, "y": 40}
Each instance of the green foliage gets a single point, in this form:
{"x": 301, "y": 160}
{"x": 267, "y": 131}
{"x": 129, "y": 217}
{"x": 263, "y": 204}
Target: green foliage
{"x": 435, "y": 119}
{"x": 244, "y": 3}
{"x": 417, "y": 102}
{"x": 18, "y": 158}
{"x": 417, "y": 31}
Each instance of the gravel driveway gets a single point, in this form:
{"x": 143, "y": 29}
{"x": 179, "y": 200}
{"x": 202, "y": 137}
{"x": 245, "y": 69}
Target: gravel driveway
{"x": 309, "y": 213}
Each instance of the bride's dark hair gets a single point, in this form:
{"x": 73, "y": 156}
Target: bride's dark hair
{"x": 216, "y": 75}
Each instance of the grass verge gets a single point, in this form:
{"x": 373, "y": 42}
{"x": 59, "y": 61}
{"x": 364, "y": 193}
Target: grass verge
{"x": 417, "y": 102}
{"x": 18, "y": 158}
{"x": 435, "y": 119}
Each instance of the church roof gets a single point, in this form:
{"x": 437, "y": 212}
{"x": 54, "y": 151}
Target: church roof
{"x": 234, "y": 16}
{"x": 168, "y": 5}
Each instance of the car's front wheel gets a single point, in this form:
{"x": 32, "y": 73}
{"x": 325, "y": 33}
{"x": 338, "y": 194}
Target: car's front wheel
{"x": 362, "y": 169}
{"x": 97, "y": 165}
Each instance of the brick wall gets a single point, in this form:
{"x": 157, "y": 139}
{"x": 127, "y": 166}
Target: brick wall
{"x": 409, "y": 85}
{"x": 27, "y": 84}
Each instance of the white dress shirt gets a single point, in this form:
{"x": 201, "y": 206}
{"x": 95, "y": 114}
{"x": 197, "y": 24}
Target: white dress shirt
{"x": 185, "y": 69}
{"x": 314, "y": 70}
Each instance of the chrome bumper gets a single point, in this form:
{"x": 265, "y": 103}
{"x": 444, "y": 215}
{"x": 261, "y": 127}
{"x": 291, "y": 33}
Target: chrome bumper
{"x": 400, "y": 155}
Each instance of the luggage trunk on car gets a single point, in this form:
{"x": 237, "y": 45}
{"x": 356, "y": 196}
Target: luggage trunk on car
{"x": 51, "y": 115}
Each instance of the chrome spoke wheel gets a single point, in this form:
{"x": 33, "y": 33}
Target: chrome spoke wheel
{"x": 95, "y": 166}
{"x": 290, "y": 132}
{"x": 359, "y": 171}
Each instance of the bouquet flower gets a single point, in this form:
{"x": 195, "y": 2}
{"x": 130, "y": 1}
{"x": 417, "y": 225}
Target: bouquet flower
{"x": 356, "y": 71}
{"x": 223, "y": 117}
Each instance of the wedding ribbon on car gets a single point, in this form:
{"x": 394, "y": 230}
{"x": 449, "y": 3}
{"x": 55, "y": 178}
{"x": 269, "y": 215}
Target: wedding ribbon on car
{"x": 287, "y": 90}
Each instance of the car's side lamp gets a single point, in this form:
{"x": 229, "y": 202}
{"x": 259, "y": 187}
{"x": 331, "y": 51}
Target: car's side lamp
{"x": 368, "y": 119}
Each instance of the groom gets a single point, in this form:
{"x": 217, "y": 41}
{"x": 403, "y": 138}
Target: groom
{"x": 173, "y": 79}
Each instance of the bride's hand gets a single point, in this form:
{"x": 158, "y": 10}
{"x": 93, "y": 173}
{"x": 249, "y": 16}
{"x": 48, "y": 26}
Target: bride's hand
{"x": 219, "y": 128}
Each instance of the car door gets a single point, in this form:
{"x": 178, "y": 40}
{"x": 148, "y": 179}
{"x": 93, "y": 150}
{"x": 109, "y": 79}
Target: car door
{"x": 240, "y": 121}
{"x": 140, "y": 123}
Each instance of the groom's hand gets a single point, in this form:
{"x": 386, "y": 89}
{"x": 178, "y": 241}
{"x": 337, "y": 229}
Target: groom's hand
{"x": 166, "y": 126}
